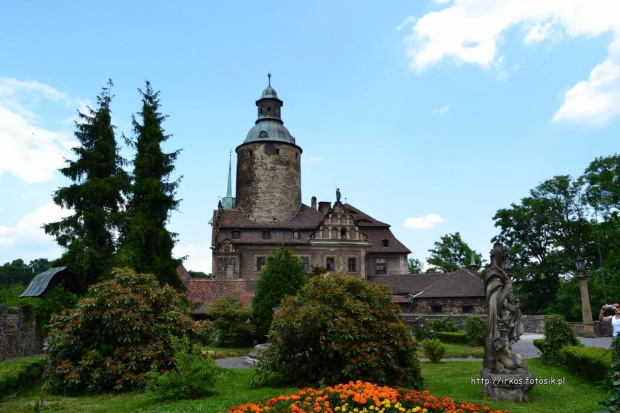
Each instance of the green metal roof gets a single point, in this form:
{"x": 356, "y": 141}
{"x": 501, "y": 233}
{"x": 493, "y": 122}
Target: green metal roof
{"x": 45, "y": 281}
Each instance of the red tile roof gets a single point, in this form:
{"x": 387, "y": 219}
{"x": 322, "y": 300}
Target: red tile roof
{"x": 207, "y": 291}
{"x": 461, "y": 283}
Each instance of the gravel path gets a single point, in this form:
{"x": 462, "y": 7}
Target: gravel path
{"x": 525, "y": 347}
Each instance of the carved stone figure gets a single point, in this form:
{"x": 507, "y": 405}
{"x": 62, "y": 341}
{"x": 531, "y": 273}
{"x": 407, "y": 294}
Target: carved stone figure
{"x": 504, "y": 329}
{"x": 338, "y": 195}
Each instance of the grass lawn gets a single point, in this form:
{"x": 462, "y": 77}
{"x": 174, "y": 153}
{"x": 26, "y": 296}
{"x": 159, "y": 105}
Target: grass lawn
{"x": 462, "y": 351}
{"x": 453, "y": 378}
{"x": 448, "y": 378}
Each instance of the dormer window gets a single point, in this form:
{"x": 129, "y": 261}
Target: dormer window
{"x": 266, "y": 234}
{"x": 235, "y": 234}
{"x": 386, "y": 243}
{"x": 295, "y": 234}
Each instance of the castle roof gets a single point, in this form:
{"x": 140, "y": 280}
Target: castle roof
{"x": 461, "y": 283}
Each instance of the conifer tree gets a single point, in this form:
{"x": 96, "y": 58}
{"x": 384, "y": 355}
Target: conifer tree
{"x": 282, "y": 275}
{"x": 96, "y": 196}
{"x": 146, "y": 244}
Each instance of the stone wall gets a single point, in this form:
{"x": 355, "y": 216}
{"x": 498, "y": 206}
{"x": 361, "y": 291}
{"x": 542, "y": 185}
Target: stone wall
{"x": 17, "y": 338}
{"x": 448, "y": 306}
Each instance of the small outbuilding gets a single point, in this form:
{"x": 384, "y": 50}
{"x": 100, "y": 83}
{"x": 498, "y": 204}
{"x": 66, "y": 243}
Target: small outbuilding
{"x": 47, "y": 280}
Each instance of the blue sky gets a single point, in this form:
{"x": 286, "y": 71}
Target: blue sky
{"x": 428, "y": 115}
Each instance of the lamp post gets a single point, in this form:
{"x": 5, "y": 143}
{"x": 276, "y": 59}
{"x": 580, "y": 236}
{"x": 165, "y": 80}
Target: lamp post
{"x": 588, "y": 324}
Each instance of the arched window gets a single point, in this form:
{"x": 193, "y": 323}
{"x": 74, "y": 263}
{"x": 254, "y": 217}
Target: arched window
{"x": 325, "y": 234}
{"x": 343, "y": 233}
{"x": 353, "y": 233}
{"x": 295, "y": 234}
{"x": 334, "y": 233}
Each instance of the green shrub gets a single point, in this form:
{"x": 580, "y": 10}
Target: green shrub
{"x": 592, "y": 363}
{"x": 452, "y": 338}
{"x": 615, "y": 350}
{"x": 115, "y": 335}
{"x": 192, "y": 377}
{"x": 475, "y": 328}
{"x": 539, "y": 343}
{"x": 20, "y": 373}
{"x": 282, "y": 275}
{"x": 558, "y": 334}
{"x": 445, "y": 324}
{"x": 231, "y": 321}
{"x": 612, "y": 403}
{"x": 423, "y": 331}
{"x": 338, "y": 329}
{"x": 434, "y": 350}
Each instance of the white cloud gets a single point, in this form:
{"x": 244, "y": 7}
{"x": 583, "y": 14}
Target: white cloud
{"x": 442, "y": 110}
{"x": 28, "y": 230}
{"x": 425, "y": 222}
{"x": 198, "y": 256}
{"x": 31, "y": 151}
{"x": 471, "y": 31}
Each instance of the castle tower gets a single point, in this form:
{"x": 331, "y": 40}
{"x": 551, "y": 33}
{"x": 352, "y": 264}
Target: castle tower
{"x": 269, "y": 166}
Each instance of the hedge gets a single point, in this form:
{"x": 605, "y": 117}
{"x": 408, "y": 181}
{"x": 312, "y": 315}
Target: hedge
{"x": 452, "y": 338}
{"x": 20, "y": 372}
{"x": 591, "y": 363}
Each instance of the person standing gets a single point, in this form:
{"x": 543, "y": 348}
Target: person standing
{"x": 614, "y": 318}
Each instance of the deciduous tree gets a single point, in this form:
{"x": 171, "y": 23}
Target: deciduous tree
{"x": 450, "y": 254}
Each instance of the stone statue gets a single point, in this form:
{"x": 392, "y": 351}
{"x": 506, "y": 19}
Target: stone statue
{"x": 338, "y": 195}
{"x": 504, "y": 329}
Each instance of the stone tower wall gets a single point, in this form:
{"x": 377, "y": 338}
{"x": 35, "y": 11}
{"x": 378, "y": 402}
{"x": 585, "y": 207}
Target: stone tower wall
{"x": 269, "y": 180}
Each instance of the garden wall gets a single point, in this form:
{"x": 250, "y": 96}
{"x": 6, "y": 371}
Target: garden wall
{"x": 17, "y": 337}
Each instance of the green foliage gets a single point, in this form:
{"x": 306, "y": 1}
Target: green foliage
{"x": 232, "y": 322}
{"x": 452, "y": 337}
{"x": 9, "y": 294}
{"x": 434, "y": 350}
{"x": 96, "y": 196}
{"x": 338, "y": 329}
{"x": 110, "y": 339}
{"x": 445, "y": 324}
{"x": 612, "y": 403}
{"x": 52, "y": 302}
{"x": 450, "y": 254}
{"x": 146, "y": 244}
{"x": 18, "y": 272}
{"x": 539, "y": 343}
{"x": 20, "y": 373}
{"x": 592, "y": 363}
{"x": 199, "y": 274}
{"x": 615, "y": 350}
{"x": 423, "y": 330}
{"x": 193, "y": 376}
{"x": 282, "y": 275}
{"x": 415, "y": 266}
{"x": 558, "y": 334}
{"x": 475, "y": 328}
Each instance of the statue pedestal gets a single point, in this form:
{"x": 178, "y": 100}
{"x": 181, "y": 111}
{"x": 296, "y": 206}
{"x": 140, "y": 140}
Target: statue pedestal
{"x": 513, "y": 386}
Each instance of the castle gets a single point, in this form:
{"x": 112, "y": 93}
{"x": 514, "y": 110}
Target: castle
{"x": 267, "y": 213}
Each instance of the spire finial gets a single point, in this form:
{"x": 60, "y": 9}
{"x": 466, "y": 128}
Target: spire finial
{"x": 269, "y": 78}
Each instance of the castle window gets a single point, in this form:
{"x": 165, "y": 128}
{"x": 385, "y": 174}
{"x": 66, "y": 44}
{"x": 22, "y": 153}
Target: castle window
{"x": 325, "y": 233}
{"x": 277, "y": 151}
{"x": 260, "y": 262}
{"x": 334, "y": 233}
{"x": 353, "y": 233}
{"x": 352, "y": 266}
{"x": 343, "y": 233}
{"x": 380, "y": 267}
{"x": 295, "y": 234}
{"x": 305, "y": 264}
{"x": 235, "y": 234}
{"x": 266, "y": 234}
{"x": 329, "y": 263}
{"x": 220, "y": 264}
{"x": 386, "y": 243}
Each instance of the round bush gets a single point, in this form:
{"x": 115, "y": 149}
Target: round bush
{"x": 558, "y": 334}
{"x": 434, "y": 350}
{"x": 113, "y": 337}
{"x": 338, "y": 329}
{"x": 475, "y": 327}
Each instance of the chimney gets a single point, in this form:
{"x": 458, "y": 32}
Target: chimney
{"x": 313, "y": 204}
{"x": 324, "y": 207}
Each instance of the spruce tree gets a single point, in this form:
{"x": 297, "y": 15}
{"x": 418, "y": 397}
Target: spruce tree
{"x": 96, "y": 196}
{"x": 146, "y": 244}
{"x": 282, "y": 275}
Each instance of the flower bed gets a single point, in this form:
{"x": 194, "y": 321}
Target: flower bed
{"x": 363, "y": 398}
